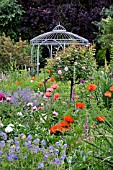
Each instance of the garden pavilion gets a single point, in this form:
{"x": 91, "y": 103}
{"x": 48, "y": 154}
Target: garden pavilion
{"x": 57, "y": 39}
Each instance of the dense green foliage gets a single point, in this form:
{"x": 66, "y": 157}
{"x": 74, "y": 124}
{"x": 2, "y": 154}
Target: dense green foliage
{"x": 10, "y": 18}
{"x": 13, "y": 54}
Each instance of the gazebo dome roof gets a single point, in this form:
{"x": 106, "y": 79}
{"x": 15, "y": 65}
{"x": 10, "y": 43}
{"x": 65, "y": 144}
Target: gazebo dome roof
{"x": 60, "y": 36}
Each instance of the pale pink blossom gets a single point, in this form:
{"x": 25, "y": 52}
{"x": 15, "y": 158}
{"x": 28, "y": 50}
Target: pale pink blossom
{"x": 66, "y": 68}
{"x": 55, "y": 113}
{"x": 83, "y": 67}
{"x": 59, "y": 71}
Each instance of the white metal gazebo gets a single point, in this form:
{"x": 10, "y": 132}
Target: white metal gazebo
{"x": 57, "y": 38}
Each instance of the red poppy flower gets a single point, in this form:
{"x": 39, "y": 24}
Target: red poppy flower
{"x": 108, "y": 94}
{"x": 68, "y": 119}
{"x": 100, "y": 118}
{"x": 48, "y": 94}
{"x": 56, "y": 96}
{"x": 80, "y": 105}
{"x": 91, "y": 87}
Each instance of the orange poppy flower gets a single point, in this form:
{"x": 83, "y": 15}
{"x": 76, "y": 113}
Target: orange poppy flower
{"x": 18, "y": 82}
{"x": 80, "y": 105}
{"x": 64, "y": 124}
{"x": 41, "y": 83}
{"x": 55, "y": 128}
{"x": 48, "y": 71}
{"x": 52, "y": 79}
{"x": 68, "y": 119}
{"x": 111, "y": 88}
{"x": 33, "y": 78}
{"x": 56, "y": 96}
{"x": 108, "y": 94}
{"x": 91, "y": 87}
{"x": 48, "y": 94}
{"x": 59, "y": 128}
{"x": 100, "y": 118}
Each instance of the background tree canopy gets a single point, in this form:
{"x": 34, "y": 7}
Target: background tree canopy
{"x": 33, "y": 17}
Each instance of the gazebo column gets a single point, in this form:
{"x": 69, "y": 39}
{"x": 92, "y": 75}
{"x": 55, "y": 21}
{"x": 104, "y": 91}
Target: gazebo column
{"x": 64, "y": 47}
{"x": 51, "y": 50}
{"x": 37, "y": 67}
{"x": 32, "y": 54}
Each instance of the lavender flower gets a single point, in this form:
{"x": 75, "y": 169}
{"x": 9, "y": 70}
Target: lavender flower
{"x": 36, "y": 141}
{"x": 40, "y": 165}
{"x": 3, "y": 135}
{"x": 43, "y": 142}
{"x": 2, "y": 144}
{"x": 57, "y": 161}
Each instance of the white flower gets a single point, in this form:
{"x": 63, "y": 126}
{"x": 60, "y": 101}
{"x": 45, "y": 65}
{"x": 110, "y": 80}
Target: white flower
{"x": 31, "y": 81}
{"x": 66, "y": 68}
{"x": 34, "y": 108}
{"x": 30, "y": 104}
{"x": 8, "y": 129}
{"x": 10, "y": 125}
{"x": 19, "y": 114}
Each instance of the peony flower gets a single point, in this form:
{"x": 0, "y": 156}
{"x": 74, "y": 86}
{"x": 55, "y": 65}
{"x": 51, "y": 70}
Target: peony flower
{"x": 108, "y": 94}
{"x": 2, "y": 96}
{"x": 66, "y": 68}
{"x": 68, "y": 119}
{"x": 80, "y": 105}
{"x": 54, "y": 86}
{"x": 91, "y": 87}
{"x": 56, "y": 96}
{"x": 49, "y": 89}
{"x": 59, "y": 71}
{"x": 100, "y": 118}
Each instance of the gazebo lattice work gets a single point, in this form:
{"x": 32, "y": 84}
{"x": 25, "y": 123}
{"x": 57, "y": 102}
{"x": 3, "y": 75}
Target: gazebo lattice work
{"x": 58, "y": 38}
